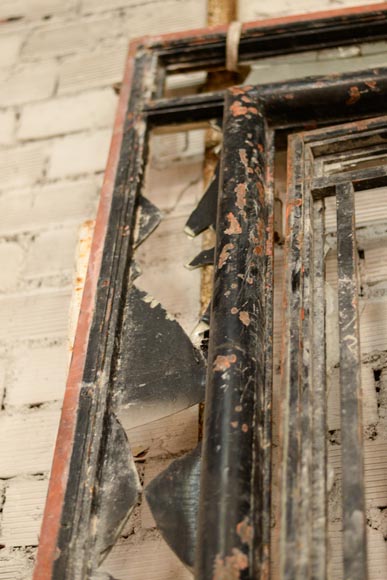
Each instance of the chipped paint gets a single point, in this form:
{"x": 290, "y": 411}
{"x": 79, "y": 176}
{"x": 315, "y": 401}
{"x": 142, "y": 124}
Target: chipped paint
{"x": 222, "y": 363}
{"x": 231, "y": 495}
{"x": 371, "y": 84}
{"x": 354, "y": 95}
{"x": 261, "y": 192}
{"x": 243, "y": 157}
{"x": 240, "y": 191}
{"x": 151, "y": 301}
{"x": 244, "y": 317}
{"x": 369, "y": 24}
{"x": 230, "y": 567}
{"x": 224, "y": 254}
{"x": 245, "y": 529}
{"x": 237, "y": 109}
{"x": 237, "y": 90}
{"x": 234, "y": 227}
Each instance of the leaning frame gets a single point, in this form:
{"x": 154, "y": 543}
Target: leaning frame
{"x": 69, "y": 505}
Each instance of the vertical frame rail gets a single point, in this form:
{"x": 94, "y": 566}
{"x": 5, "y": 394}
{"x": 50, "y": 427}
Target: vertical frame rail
{"x": 304, "y": 470}
{"x": 76, "y": 533}
{"x": 304, "y": 533}
{"x": 291, "y": 367}
{"x": 227, "y": 540}
{"x": 354, "y": 522}
{"x": 263, "y": 441}
{"x": 319, "y": 412}
{"x": 306, "y": 384}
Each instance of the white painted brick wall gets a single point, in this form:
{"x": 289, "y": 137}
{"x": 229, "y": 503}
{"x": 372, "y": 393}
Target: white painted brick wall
{"x": 27, "y": 83}
{"x": 2, "y": 382}
{"x": 22, "y": 165}
{"x": 36, "y": 315}
{"x": 11, "y": 260}
{"x": 30, "y": 438}
{"x": 90, "y": 6}
{"x": 68, "y": 114}
{"x": 71, "y": 37}
{"x": 36, "y": 9}
{"x": 10, "y": 45}
{"x": 7, "y": 124}
{"x": 23, "y": 511}
{"x": 99, "y": 69}
{"x": 79, "y": 154}
{"x": 250, "y": 10}
{"x": 51, "y": 253}
{"x": 37, "y": 207}
{"x": 16, "y": 564}
{"x": 36, "y": 373}
{"x": 58, "y": 62}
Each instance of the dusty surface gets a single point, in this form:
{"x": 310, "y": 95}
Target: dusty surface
{"x": 59, "y": 61}
{"x": 371, "y": 224}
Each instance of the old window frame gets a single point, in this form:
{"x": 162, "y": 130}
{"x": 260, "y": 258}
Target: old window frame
{"x": 304, "y": 359}
{"x": 251, "y": 115}
{"x": 69, "y": 504}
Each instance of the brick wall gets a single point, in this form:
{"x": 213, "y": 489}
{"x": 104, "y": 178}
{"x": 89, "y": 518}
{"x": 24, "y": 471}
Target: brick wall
{"x": 59, "y": 60}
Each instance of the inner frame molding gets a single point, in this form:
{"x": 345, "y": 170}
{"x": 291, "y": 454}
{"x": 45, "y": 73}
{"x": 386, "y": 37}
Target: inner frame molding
{"x": 311, "y": 179}
{"x": 65, "y": 546}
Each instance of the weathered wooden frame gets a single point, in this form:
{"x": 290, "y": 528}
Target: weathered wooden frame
{"x": 278, "y": 106}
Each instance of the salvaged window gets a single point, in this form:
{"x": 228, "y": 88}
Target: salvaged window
{"x": 336, "y": 163}
{"x": 277, "y": 343}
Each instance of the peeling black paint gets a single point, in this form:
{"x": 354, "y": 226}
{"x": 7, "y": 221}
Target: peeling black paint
{"x": 299, "y": 104}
